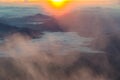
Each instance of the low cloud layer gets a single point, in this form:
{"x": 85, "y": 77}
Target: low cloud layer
{"x": 54, "y": 56}
{"x": 52, "y": 43}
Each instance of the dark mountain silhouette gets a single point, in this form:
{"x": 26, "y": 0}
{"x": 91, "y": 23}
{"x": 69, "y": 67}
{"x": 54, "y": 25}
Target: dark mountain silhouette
{"x": 7, "y": 30}
{"x": 32, "y": 26}
{"x": 36, "y": 22}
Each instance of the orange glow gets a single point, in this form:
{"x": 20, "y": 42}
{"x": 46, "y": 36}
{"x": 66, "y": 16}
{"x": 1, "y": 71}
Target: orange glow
{"x": 57, "y": 8}
{"x": 58, "y": 3}
{"x": 61, "y": 7}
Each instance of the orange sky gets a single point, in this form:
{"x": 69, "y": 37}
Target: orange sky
{"x": 74, "y": 3}
{"x": 82, "y": 1}
{"x": 77, "y": 2}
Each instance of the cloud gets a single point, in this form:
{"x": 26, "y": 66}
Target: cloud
{"x": 54, "y": 43}
{"x": 55, "y": 55}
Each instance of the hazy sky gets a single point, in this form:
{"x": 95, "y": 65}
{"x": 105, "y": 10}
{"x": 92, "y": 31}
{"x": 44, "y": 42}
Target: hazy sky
{"x": 73, "y": 4}
{"x": 80, "y": 1}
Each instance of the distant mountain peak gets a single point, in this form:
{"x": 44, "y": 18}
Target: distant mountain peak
{"x": 41, "y": 16}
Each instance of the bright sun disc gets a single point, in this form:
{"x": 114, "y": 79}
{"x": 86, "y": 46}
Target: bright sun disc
{"x": 58, "y": 3}
{"x": 57, "y": 8}
{"x": 57, "y": 0}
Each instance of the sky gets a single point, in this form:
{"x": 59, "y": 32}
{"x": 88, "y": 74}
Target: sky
{"x": 75, "y": 3}
{"x": 49, "y": 8}
{"x": 78, "y": 1}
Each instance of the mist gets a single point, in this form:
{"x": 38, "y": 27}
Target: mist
{"x": 87, "y": 48}
{"x": 56, "y": 56}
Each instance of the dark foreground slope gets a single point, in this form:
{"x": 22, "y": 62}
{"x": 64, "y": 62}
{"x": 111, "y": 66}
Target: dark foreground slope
{"x": 103, "y": 24}
{"x": 68, "y": 67}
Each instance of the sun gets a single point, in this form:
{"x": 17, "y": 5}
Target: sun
{"x": 57, "y": 0}
{"x": 58, "y": 3}
{"x": 57, "y": 8}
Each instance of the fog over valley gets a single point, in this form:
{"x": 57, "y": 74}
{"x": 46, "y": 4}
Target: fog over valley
{"x": 83, "y": 44}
